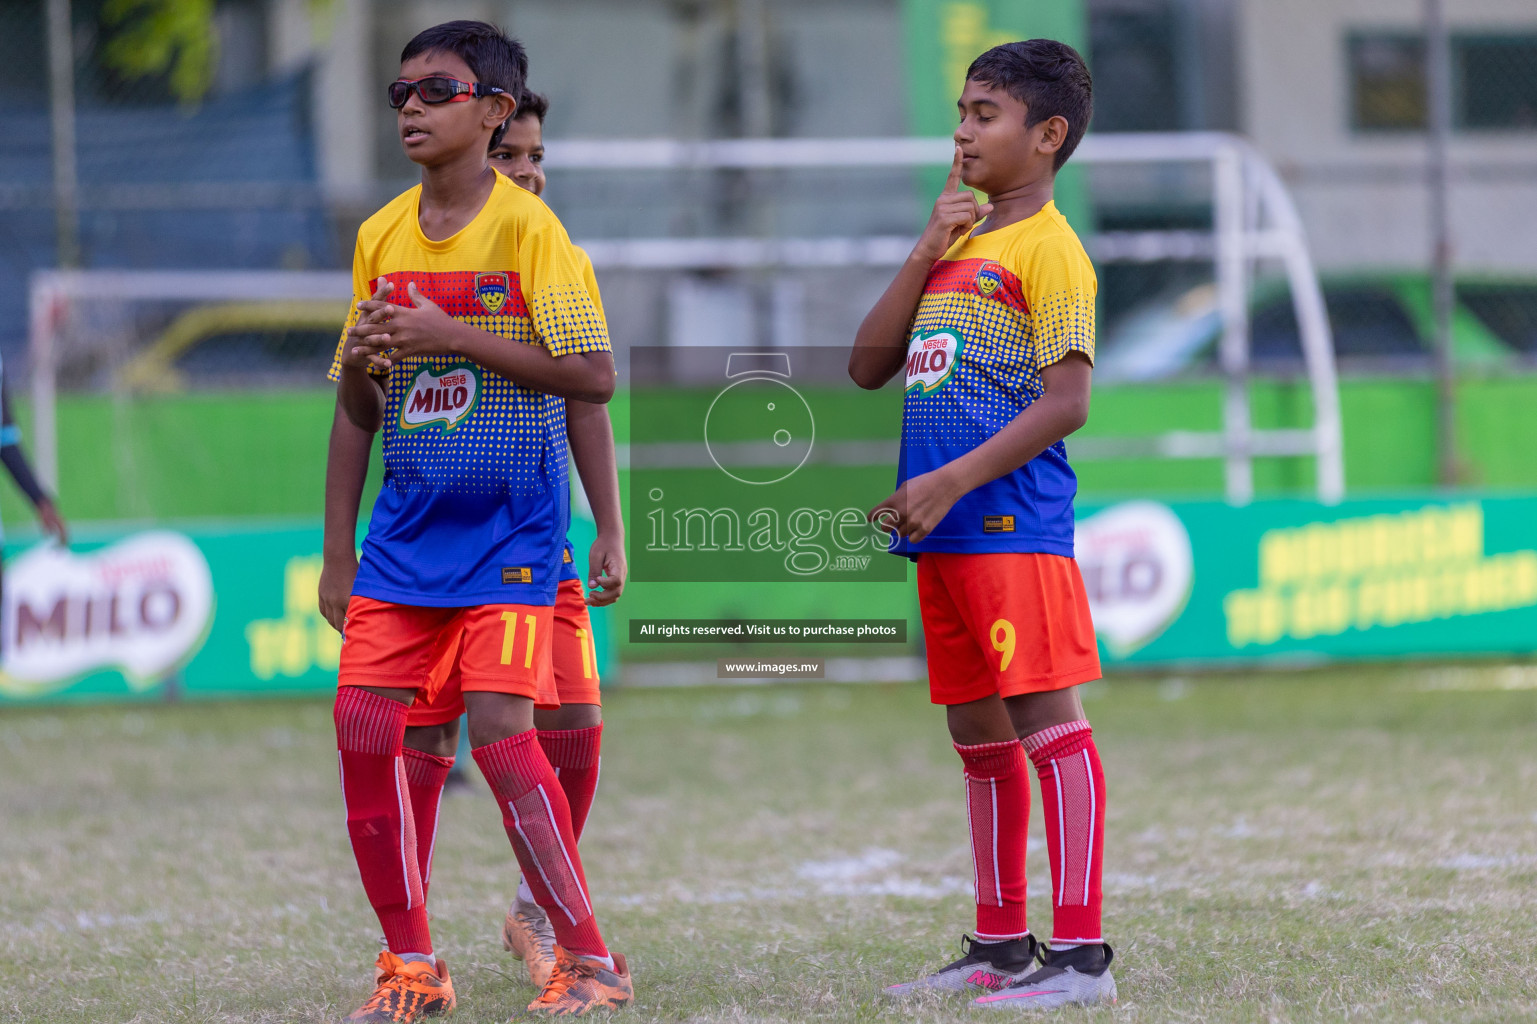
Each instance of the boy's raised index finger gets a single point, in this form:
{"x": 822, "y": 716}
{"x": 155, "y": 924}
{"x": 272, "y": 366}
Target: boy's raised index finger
{"x": 953, "y": 180}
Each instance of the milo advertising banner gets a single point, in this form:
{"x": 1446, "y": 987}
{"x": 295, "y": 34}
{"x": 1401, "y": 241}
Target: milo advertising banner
{"x": 164, "y": 612}
{"x": 1294, "y": 581}
{"x": 229, "y": 611}
{"x": 205, "y": 612}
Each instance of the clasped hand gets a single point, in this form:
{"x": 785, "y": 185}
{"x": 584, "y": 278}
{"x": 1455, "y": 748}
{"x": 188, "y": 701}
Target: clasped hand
{"x": 386, "y": 333}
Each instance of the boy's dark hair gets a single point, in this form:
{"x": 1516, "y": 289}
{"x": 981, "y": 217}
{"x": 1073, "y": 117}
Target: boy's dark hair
{"x": 493, "y": 57}
{"x": 1048, "y": 77}
{"x": 532, "y": 103}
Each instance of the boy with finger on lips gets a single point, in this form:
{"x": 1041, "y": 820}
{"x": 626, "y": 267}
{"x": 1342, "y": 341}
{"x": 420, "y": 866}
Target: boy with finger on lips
{"x": 991, "y": 323}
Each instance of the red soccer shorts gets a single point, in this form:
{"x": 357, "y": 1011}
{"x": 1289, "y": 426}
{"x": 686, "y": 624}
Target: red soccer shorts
{"x": 574, "y": 679}
{"x": 576, "y": 655}
{"x": 500, "y": 648}
{"x": 1007, "y": 623}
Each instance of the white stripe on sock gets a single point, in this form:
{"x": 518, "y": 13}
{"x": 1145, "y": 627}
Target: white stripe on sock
{"x": 992, "y": 785}
{"x": 1088, "y": 858}
{"x": 400, "y": 808}
{"x": 570, "y": 866}
{"x": 1056, "y": 775}
{"x": 596, "y": 778}
{"x": 517, "y": 823}
{"x": 432, "y": 842}
{"x": 971, "y": 831}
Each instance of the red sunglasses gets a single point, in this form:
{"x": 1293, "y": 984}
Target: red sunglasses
{"x": 438, "y": 89}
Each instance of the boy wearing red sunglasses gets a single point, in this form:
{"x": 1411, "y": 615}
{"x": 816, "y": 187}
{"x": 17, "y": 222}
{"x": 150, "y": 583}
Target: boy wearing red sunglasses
{"x": 569, "y": 721}
{"x": 473, "y": 322}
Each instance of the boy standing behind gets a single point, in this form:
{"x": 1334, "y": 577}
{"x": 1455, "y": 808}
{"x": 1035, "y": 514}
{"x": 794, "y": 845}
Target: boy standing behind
{"x": 994, "y": 329}
{"x": 480, "y": 322}
{"x": 571, "y": 733}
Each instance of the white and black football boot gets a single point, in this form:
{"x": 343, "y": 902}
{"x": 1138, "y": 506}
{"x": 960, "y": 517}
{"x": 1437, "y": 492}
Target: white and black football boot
{"x": 986, "y": 967}
{"x": 1079, "y": 976}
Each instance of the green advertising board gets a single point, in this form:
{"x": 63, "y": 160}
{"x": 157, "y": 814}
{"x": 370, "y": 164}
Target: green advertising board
{"x": 228, "y": 610}
{"x": 1204, "y": 583}
{"x": 943, "y": 37}
{"x": 215, "y": 610}
{"x": 1208, "y": 585}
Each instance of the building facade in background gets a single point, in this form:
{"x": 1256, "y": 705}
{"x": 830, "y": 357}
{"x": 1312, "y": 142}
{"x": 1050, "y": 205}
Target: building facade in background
{"x": 1331, "y": 90}
{"x": 291, "y": 146}
{"x": 1334, "y": 92}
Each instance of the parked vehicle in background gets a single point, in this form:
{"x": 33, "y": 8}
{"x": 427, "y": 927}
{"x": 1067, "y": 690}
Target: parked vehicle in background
{"x": 239, "y": 344}
{"x": 1382, "y": 323}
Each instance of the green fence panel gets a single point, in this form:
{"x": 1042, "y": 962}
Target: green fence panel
{"x": 263, "y": 454}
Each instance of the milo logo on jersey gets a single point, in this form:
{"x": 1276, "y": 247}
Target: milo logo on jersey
{"x": 931, "y": 359}
{"x": 440, "y": 396}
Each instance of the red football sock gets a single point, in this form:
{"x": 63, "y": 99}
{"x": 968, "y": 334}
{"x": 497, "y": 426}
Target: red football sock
{"x": 368, "y": 732}
{"x": 998, "y": 812}
{"x": 425, "y": 775}
{"x": 538, "y": 821}
{"x": 1073, "y": 799}
{"x": 575, "y": 756}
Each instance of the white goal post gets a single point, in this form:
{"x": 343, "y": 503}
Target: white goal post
{"x": 1253, "y": 216}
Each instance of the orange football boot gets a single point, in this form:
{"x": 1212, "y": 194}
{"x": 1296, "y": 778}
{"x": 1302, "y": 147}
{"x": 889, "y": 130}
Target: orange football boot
{"x": 406, "y": 992}
{"x": 527, "y": 935}
{"x": 578, "y": 985}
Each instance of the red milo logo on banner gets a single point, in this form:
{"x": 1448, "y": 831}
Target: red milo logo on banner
{"x": 141, "y": 606}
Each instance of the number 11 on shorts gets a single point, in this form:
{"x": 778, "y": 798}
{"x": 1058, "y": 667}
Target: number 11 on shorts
{"x": 510, "y": 634}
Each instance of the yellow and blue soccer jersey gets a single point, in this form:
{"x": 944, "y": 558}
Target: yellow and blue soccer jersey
{"x": 475, "y": 502}
{"x": 996, "y": 310}
{"x": 568, "y": 570}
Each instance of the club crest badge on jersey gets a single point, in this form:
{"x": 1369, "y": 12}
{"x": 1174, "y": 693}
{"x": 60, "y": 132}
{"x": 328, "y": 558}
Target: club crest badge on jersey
{"x": 931, "y": 360}
{"x": 989, "y": 277}
{"x": 493, "y": 291}
{"x": 440, "y": 396}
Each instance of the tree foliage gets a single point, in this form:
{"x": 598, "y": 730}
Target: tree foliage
{"x": 175, "y": 38}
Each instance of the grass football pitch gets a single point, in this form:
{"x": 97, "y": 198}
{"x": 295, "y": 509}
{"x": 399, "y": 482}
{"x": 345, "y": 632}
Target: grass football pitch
{"x": 1346, "y": 845}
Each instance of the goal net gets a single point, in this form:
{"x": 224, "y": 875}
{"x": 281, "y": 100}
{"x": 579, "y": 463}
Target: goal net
{"x": 1192, "y": 227}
